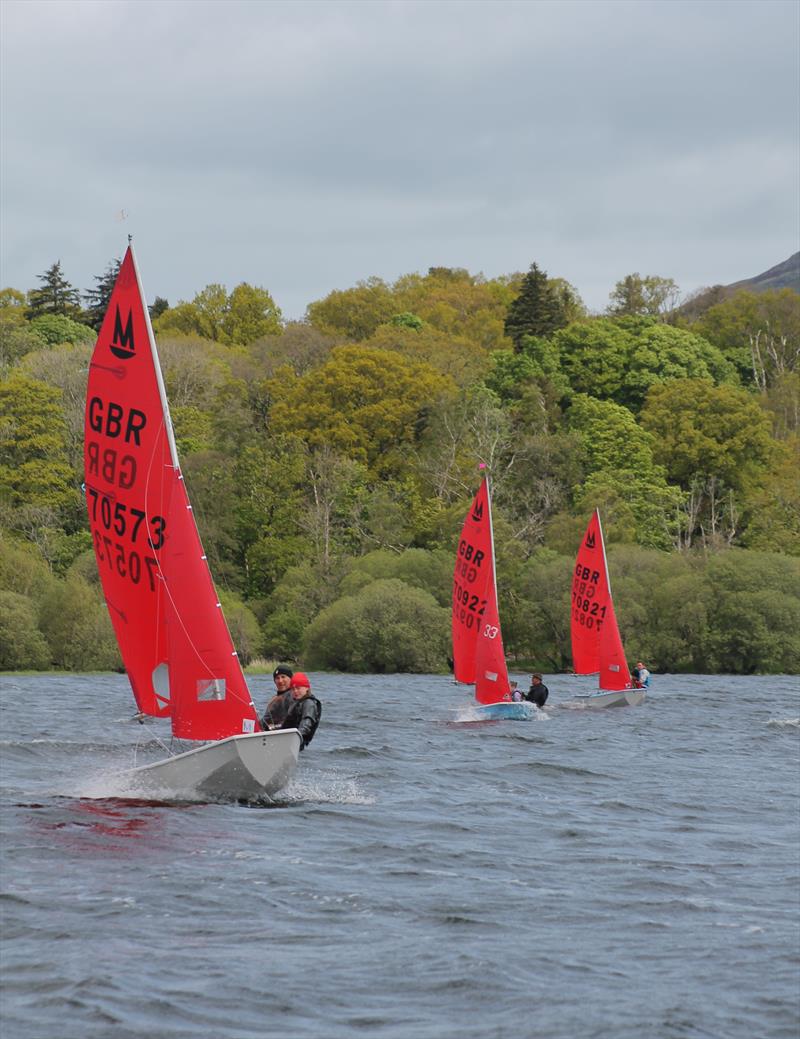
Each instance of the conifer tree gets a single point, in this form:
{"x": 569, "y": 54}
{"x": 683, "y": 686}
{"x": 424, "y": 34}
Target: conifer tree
{"x": 98, "y": 297}
{"x": 158, "y": 307}
{"x": 538, "y": 310}
{"x": 56, "y": 296}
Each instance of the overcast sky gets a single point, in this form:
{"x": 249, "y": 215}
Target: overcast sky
{"x": 306, "y": 146}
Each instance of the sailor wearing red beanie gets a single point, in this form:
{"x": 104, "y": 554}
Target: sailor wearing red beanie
{"x": 304, "y": 711}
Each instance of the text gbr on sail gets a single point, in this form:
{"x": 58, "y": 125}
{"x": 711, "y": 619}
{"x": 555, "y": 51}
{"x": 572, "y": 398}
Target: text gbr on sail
{"x": 114, "y": 421}
{"x": 469, "y": 560}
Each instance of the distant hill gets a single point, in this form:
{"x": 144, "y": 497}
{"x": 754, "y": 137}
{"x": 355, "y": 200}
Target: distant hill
{"x": 784, "y": 275}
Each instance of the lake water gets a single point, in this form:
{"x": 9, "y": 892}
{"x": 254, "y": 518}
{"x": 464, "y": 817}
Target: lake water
{"x": 623, "y": 874}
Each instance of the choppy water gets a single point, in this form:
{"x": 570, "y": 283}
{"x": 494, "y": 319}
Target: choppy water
{"x": 628, "y": 874}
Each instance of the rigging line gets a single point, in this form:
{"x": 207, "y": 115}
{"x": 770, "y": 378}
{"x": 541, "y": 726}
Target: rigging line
{"x": 249, "y": 701}
{"x": 160, "y": 496}
{"x": 152, "y": 735}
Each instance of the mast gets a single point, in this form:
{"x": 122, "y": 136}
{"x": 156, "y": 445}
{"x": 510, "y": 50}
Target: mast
{"x": 162, "y": 390}
{"x": 605, "y": 558}
{"x": 491, "y": 533}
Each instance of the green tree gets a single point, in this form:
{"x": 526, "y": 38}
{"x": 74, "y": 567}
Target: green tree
{"x": 269, "y": 499}
{"x": 56, "y": 296}
{"x": 22, "y": 570}
{"x": 158, "y": 307}
{"x": 408, "y": 320}
{"x": 251, "y": 314}
{"x": 78, "y": 629}
{"x": 387, "y": 627}
{"x": 536, "y": 611}
{"x": 34, "y": 470}
{"x": 450, "y": 354}
{"x": 662, "y": 353}
{"x": 97, "y": 299}
{"x": 243, "y": 626}
{"x": 758, "y": 332}
{"x": 539, "y": 310}
{"x": 300, "y": 594}
{"x": 651, "y": 295}
{"x": 369, "y": 405}
{"x": 238, "y": 319}
{"x": 17, "y": 337}
{"x": 594, "y": 356}
{"x": 773, "y": 506}
{"x": 781, "y": 401}
{"x": 354, "y": 313}
{"x": 432, "y": 572}
{"x": 457, "y": 304}
{"x": 22, "y": 645}
{"x": 467, "y": 429}
{"x": 620, "y": 359}
{"x": 755, "y": 624}
{"x": 58, "y": 328}
{"x": 64, "y": 368}
{"x": 702, "y": 430}
{"x": 623, "y": 474}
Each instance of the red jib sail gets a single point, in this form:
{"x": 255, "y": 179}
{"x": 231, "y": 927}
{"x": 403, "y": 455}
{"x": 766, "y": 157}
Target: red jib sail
{"x": 596, "y": 642}
{"x": 478, "y": 655}
{"x": 174, "y": 642}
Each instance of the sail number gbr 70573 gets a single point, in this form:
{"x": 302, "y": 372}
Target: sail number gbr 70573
{"x": 132, "y": 525}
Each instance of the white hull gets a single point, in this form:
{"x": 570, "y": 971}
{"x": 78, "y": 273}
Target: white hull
{"x": 239, "y": 768}
{"x": 613, "y": 698}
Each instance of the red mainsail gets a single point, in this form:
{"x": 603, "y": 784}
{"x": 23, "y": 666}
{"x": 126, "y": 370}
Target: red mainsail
{"x": 174, "y": 641}
{"x": 596, "y": 643}
{"x": 478, "y": 655}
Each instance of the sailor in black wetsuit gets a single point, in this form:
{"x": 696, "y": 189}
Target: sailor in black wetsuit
{"x": 538, "y": 691}
{"x": 304, "y": 710}
{"x": 275, "y": 712}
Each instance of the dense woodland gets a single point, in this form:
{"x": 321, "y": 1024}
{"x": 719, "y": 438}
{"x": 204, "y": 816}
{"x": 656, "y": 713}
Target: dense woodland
{"x": 330, "y": 463}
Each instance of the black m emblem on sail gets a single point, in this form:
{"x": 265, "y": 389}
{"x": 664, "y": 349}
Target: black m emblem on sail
{"x": 590, "y": 540}
{"x": 477, "y": 513}
{"x": 122, "y": 345}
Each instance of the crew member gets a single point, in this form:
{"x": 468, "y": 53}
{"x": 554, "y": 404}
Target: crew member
{"x": 304, "y": 709}
{"x": 538, "y": 691}
{"x": 277, "y": 707}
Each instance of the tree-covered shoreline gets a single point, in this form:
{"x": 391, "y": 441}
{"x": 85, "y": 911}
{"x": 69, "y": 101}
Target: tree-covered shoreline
{"x": 330, "y": 463}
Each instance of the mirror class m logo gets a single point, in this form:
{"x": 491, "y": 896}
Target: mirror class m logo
{"x": 590, "y": 540}
{"x": 477, "y": 512}
{"x": 122, "y": 344}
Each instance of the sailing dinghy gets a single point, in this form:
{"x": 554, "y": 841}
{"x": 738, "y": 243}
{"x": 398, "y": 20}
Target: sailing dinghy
{"x": 478, "y": 656}
{"x": 168, "y": 621}
{"x": 596, "y": 641}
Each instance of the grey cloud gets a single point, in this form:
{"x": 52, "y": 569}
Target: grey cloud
{"x": 305, "y": 146}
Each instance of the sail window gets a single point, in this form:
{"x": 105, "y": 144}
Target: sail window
{"x": 160, "y": 680}
{"x": 210, "y": 689}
